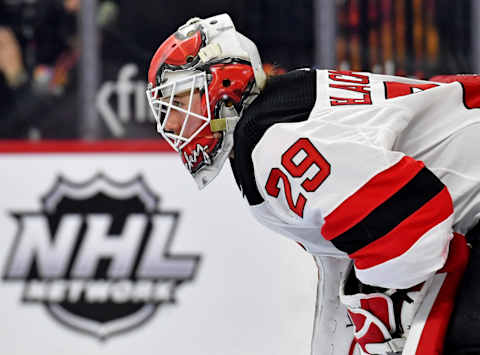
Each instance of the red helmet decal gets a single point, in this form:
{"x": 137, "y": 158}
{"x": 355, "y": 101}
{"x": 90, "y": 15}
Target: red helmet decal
{"x": 177, "y": 50}
{"x": 200, "y": 150}
{"x": 230, "y": 80}
{"x": 185, "y": 50}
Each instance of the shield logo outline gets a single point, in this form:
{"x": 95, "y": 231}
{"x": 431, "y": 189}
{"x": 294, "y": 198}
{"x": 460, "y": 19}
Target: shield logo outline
{"x": 100, "y": 183}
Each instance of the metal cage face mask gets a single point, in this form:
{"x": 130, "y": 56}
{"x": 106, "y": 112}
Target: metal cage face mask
{"x": 180, "y": 111}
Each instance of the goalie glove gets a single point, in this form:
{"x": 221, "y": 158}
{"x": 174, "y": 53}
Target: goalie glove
{"x": 381, "y": 317}
{"x": 407, "y": 322}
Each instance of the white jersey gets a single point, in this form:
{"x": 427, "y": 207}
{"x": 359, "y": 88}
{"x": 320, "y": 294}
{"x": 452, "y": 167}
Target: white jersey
{"x": 357, "y": 164}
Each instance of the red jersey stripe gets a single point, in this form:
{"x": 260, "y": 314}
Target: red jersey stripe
{"x": 371, "y": 195}
{"x": 403, "y": 236}
{"x": 432, "y": 337}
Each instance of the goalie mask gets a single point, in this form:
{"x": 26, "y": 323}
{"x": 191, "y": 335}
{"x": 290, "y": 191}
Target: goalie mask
{"x": 199, "y": 81}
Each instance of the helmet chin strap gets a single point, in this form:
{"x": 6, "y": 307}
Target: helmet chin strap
{"x": 226, "y": 124}
{"x": 231, "y": 116}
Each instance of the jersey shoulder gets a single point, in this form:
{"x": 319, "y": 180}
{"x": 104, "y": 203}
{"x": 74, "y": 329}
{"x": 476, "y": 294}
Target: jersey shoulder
{"x": 286, "y": 98}
{"x": 340, "y": 89}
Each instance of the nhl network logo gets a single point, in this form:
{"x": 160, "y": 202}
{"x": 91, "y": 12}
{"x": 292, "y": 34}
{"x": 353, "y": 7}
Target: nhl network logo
{"x": 97, "y": 255}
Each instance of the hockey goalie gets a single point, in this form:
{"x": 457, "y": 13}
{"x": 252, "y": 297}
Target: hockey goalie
{"x": 376, "y": 176}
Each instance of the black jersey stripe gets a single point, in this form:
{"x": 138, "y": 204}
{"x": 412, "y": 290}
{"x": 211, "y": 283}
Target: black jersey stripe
{"x": 418, "y": 191}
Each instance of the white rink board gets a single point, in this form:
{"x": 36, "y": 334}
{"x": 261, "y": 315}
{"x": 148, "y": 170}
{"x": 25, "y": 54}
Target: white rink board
{"x": 253, "y": 291}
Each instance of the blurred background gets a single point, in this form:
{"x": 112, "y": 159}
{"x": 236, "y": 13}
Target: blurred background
{"x": 76, "y": 69}
{"x": 78, "y": 143}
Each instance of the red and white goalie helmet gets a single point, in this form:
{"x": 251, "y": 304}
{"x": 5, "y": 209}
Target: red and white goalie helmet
{"x": 199, "y": 80}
